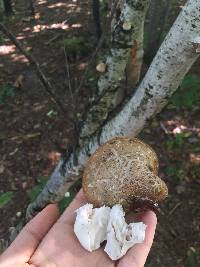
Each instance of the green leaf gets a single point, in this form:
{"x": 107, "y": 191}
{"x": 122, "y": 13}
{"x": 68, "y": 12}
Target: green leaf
{"x": 171, "y": 170}
{"x": 178, "y": 141}
{"x": 177, "y": 172}
{"x": 32, "y": 193}
{"x": 192, "y": 259}
{"x": 77, "y": 45}
{"x": 51, "y": 113}
{"x": 188, "y": 94}
{"x": 6, "y": 91}
{"x": 64, "y": 203}
{"x": 5, "y": 198}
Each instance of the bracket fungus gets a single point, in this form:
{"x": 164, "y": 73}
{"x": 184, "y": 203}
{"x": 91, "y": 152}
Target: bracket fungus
{"x": 121, "y": 174}
{"x": 123, "y": 171}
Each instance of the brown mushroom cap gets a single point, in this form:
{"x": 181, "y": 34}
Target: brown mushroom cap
{"x": 121, "y": 171}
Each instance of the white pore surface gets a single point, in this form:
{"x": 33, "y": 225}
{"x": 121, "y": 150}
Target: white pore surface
{"x": 90, "y": 226}
{"x": 93, "y": 226}
{"x": 120, "y": 235}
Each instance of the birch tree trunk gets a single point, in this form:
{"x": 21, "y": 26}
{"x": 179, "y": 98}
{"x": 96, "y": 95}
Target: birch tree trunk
{"x": 125, "y": 32}
{"x": 176, "y": 55}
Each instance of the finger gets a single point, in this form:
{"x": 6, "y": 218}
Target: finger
{"x": 69, "y": 214}
{"x": 136, "y": 256}
{"x": 31, "y": 235}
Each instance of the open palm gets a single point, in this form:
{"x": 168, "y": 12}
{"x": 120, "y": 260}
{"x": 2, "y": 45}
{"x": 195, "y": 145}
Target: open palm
{"x": 49, "y": 241}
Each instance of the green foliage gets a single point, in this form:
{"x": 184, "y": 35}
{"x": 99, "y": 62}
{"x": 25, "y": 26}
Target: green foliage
{"x": 194, "y": 172}
{"x": 196, "y": 149}
{"x": 5, "y": 198}
{"x": 1, "y": 38}
{"x": 177, "y": 142}
{"x": 77, "y": 46}
{"x": 192, "y": 259}
{"x": 51, "y": 113}
{"x": 67, "y": 200}
{"x": 188, "y": 94}
{"x": 1, "y": 4}
{"x": 91, "y": 75}
{"x": 176, "y": 172}
{"x": 6, "y": 90}
{"x": 104, "y": 7}
{"x": 1, "y": 11}
{"x": 37, "y": 189}
{"x": 32, "y": 193}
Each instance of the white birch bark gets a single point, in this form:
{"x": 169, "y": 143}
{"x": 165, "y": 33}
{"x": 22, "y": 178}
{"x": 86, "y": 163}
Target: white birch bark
{"x": 178, "y": 52}
{"x": 126, "y": 31}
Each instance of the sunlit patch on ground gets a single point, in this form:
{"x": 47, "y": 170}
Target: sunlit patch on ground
{"x": 7, "y": 49}
{"x": 42, "y": 2}
{"x": 194, "y": 159}
{"x": 59, "y": 5}
{"x": 42, "y": 27}
{"x": 21, "y": 58}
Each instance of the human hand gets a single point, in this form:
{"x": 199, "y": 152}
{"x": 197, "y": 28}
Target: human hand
{"x": 49, "y": 241}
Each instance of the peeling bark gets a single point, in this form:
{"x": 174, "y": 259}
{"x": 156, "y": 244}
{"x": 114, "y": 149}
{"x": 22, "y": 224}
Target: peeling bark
{"x": 133, "y": 68}
{"x": 173, "y": 60}
{"x": 126, "y": 31}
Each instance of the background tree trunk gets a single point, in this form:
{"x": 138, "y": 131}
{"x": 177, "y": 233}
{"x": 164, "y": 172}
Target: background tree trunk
{"x": 8, "y": 7}
{"x": 97, "y": 17}
{"x": 158, "y": 14}
{"x": 32, "y": 7}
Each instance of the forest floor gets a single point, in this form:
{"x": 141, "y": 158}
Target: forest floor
{"x": 34, "y": 133}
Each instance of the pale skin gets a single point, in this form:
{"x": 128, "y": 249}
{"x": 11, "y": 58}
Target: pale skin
{"x": 48, "y": 240}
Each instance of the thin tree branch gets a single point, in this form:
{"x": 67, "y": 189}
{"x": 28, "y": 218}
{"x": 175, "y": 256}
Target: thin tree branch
{"x": 74, "y": 102}
{"x": 45, "y": 82}
{"x": 68, "y": 80}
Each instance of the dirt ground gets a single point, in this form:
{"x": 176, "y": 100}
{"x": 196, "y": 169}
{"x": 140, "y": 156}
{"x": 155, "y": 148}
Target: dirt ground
{"x": 34, "y": 133}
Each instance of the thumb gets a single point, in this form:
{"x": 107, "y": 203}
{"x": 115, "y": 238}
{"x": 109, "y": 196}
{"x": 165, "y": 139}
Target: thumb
{"x": 29, "y": 238}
